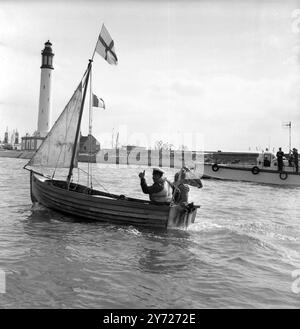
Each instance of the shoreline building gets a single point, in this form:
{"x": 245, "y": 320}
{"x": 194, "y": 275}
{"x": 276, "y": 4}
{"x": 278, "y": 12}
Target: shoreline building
{"x": 11, "y": 140}
{"x": 31, "y": 143}
{"x": 6, "y": 136}
{"x": 88, "y": 144}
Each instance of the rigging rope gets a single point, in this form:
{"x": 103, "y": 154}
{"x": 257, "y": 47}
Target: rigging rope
{"x": 106, "y": 190}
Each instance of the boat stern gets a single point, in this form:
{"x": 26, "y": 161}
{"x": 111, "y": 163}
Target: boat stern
{"x": 180, "y": 216}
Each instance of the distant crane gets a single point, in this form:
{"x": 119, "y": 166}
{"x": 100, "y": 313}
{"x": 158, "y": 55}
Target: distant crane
{"x": 289, "y": 125}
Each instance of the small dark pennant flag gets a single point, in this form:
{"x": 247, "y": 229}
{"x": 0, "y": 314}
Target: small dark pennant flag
{"x": 287, "y": 124}
{"x": 98, "y": 102}
{"x": 105, "y": 47}
{"x": 191, "y": 178}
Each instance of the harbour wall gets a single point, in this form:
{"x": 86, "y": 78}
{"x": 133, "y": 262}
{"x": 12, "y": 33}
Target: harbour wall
{"x": 150, "y": 157}
{"x": 16, "y": 154}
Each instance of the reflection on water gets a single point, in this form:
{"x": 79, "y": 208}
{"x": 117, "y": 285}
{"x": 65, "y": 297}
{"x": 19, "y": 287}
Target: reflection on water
{"x": 167, "y": 253}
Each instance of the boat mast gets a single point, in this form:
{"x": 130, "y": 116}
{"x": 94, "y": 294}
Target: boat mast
{"x": 79, "y": 123}
{"x": 89, "y": 178}
{"x": 290, "y": 136}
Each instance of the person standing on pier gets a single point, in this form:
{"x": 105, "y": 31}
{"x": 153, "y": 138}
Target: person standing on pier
{"x": 295, "y": 159}
{"x": 279, "y": 156}
{"x": 291, "y": 158}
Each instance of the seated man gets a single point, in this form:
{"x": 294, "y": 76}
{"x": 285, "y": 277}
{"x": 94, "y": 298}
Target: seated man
{"x": 181, "y": 208}
{"x": 161, "y": 190}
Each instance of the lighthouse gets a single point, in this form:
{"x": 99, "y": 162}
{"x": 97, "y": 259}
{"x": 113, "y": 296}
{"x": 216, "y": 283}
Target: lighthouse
{"x": 45, "y": 91}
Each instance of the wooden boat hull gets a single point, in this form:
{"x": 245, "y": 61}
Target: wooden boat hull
{"x": 52, "y": 194}
{"x": 247, "y": 174}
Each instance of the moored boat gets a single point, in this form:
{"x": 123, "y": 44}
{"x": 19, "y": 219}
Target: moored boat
{"x": 265, "y": 171}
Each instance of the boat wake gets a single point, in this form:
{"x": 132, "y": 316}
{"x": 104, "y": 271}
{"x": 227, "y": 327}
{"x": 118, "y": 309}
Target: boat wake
{"x": 204, "y": 226}
{"x": 130, "y": 229}
{"x": 265, "y": 236}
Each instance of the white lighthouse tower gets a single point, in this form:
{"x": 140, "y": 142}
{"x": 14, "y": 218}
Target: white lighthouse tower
{"x": 45, "y": 91}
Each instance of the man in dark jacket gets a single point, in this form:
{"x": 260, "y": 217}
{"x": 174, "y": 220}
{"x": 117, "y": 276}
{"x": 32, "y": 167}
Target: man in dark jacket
{"x": 279, "y": 156}
{"x": 161, "y": 190}
{"x": 295, "y": 158}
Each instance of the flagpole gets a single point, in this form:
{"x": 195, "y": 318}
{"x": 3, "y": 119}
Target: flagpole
{"x": 289, "y": 125}
{"x": 78, "y": 125}
{"x": 90, "y": 133}
{"x": 290, "y": 136}
{"x": 96, "y": 43}
{"x": 90, "y": 119}
{"x": 95, "y": 49}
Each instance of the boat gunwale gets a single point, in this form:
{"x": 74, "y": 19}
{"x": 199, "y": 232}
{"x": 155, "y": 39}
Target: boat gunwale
{"x": 111, "y": 198}
{"x": 97, "y": 209}
{"x": 94, "y": 199}
{"x": 47, "y": 197}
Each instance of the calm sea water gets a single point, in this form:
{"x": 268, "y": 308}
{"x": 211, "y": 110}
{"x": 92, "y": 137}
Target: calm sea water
{"x": 240, "y": 252}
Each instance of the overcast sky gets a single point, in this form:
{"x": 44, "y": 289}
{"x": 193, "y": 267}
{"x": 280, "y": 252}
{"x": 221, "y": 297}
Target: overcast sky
{"x": 224, "y": 70}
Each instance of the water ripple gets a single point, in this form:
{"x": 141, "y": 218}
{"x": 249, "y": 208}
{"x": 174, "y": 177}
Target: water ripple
{"x": 239, "y": 253}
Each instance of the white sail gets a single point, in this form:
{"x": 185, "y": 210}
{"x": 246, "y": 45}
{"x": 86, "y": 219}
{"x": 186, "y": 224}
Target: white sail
{"x": 56, "y": 149}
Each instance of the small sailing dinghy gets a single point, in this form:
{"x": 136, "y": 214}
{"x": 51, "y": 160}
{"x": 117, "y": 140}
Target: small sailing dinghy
{"x": 59, "y": 150}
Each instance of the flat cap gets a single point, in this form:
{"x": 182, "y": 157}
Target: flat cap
{"x": 158, "y": 170}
